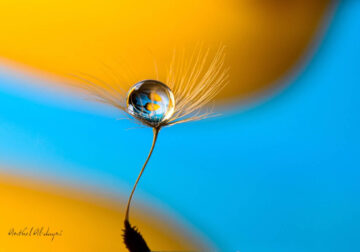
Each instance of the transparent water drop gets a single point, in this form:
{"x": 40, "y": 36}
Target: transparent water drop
{"x": 151, "y": 101}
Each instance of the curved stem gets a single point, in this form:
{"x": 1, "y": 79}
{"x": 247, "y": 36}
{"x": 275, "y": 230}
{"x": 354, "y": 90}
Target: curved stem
{"x": 156, "y": 132}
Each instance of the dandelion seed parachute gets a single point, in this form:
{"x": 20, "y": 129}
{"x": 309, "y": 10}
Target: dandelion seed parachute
{"x": 194, "y": 79}
{"x": 192, "y": 84}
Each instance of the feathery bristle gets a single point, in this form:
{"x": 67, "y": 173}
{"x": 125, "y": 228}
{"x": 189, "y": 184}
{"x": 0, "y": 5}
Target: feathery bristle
{"x": 194, "y": 80}
{"x": 195, "y": 83}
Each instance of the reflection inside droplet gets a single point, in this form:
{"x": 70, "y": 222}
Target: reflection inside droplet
{"x": 151, "y": 101}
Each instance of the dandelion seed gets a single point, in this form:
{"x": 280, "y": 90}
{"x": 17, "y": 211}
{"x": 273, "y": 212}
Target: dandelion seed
{"x": 190, "y": 85}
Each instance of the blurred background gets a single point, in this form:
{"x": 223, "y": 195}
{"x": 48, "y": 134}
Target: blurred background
{"x": 277, "y": 171}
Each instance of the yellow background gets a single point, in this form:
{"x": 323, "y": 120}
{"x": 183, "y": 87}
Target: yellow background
{"x": 264, "y": 38}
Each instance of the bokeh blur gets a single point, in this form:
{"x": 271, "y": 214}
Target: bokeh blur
{"x": 277, "y": 171}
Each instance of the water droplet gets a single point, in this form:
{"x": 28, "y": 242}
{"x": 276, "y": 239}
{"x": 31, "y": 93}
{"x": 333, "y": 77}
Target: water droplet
{"x": 151, "y": 101}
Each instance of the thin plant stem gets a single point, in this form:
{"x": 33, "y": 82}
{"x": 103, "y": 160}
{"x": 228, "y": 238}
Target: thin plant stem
{"x": 155, "y": 135}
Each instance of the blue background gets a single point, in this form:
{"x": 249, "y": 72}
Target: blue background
{"x": 280, "y": 176}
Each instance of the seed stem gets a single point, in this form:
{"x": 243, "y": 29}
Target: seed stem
{"x": 155, "y": 135}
